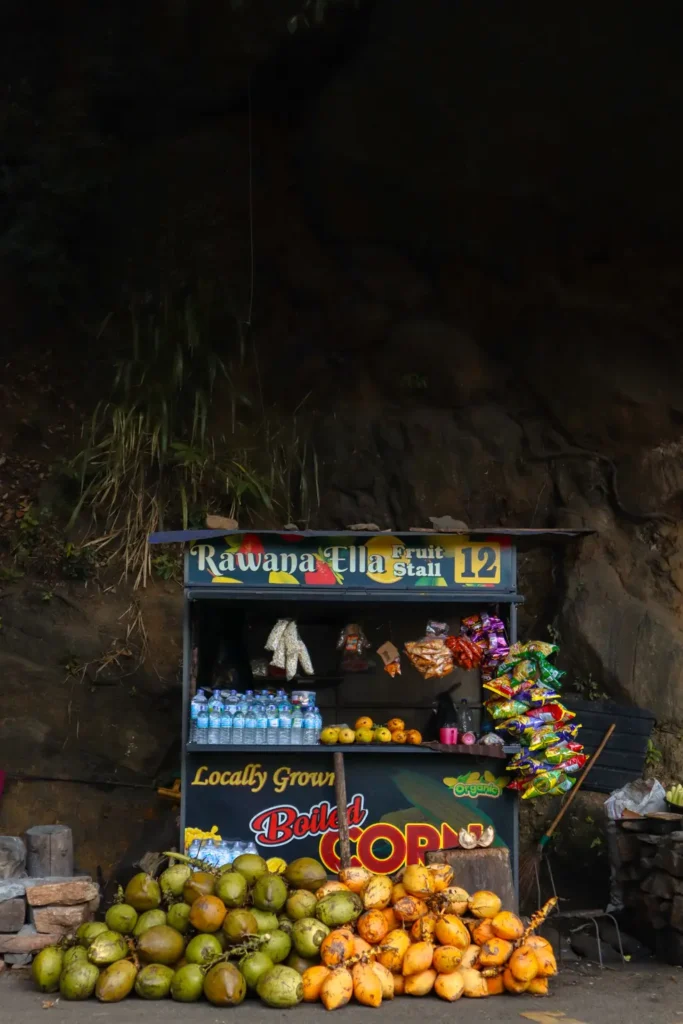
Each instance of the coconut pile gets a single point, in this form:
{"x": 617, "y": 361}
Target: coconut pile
{"x": 287, "y": 934}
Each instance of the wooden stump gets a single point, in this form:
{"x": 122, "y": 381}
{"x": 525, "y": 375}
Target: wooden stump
{"x": 49, "y": 851}
{"x": 487, "y": 868}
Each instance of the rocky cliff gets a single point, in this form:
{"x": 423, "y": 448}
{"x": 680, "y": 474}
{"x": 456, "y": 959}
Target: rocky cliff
{"x": 466, "y": 254}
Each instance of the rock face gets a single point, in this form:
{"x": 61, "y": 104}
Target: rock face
{"x": 484, "y": 321}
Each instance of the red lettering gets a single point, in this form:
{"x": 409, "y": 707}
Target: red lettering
{"x": 327, "y": 850}
{"x": 356, "y": 813}
{"x": 315, "y": 820}
{"x": 420, "y": 837}
{"x": 386, "y": 865}
{"x": 302, "y": 826}
{"x": 476, "y": 829}
{"x": 274, "y": 826}
{"x": 333, "y": 821}
{"x": 449, "y": 838}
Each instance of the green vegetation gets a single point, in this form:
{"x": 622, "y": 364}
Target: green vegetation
{"x": 170, "y": 445}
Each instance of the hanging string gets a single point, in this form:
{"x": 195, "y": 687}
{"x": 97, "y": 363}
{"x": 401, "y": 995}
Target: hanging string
{"x": 251, "y": 208}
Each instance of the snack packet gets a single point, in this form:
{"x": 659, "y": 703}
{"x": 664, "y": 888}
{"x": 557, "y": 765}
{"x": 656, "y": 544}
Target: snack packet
{"x": 533, "y": 647}
{"x": 532, "y": 693}
{"x": 553, "y": 782}
{"x": 431, "y": 658}
{"x": 554, "y": 712}
{"x": 466, "y": 653}
{"x": 547, "y": 735}
{"x": 502, "y": 686}
{"x": 504, "y": 709}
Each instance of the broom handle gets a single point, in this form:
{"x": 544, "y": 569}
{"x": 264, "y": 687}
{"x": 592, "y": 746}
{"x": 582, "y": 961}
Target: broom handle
{"x": 565, "y": 807}
{"x": 342, "y": 804}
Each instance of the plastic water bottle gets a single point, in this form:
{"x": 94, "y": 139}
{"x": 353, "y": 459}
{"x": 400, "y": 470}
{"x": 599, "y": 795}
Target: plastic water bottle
{"x": 226, "y": 720}
{"x": 215, "y": 713}
{"x": 238, "y": 724}
{"x": 309, "y": 728}
{"x": 297, "y": 727}
{"x": 261, "y": 723}
{"x": 318, "y": 724}
{"x": 285, "y": 730}
{"x": 250, "y": 725}
{"x": 198, "y": 702}
{"x": 272, "y": 726}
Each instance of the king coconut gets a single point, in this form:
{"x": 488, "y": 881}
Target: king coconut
{"x": 286, "y": 934}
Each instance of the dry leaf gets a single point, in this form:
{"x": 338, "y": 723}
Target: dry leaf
{"x": 221, "y": 523}
{"x": 364, "y": 527}
{"x": 447, "y": 524}
{"x": 48, "y": 1004}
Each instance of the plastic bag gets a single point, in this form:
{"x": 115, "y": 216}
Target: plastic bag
{"x": 644, "y": 796}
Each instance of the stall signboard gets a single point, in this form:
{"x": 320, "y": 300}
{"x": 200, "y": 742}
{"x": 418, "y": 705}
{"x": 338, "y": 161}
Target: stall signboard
{"x": 285, "y": 803}
{"x": 454, "y": 561}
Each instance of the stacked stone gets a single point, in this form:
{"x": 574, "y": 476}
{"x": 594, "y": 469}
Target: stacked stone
{"x": 37, "y": 912}
{"x": 651, "y": 872}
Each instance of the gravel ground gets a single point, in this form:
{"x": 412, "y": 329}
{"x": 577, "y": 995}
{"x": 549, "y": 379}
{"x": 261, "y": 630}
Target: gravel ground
{"x": 651, "y": 994}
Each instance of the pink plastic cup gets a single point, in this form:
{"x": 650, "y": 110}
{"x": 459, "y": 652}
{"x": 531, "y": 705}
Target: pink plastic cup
{"x": 448, "y": 735}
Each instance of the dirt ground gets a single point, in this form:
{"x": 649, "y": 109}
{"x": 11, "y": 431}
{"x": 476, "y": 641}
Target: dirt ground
{"x": 651, "y": 994}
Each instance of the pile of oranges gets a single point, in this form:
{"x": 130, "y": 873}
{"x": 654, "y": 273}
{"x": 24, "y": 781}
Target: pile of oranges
{"x": 366, "y": 731}
{"x": 423, "y": 935}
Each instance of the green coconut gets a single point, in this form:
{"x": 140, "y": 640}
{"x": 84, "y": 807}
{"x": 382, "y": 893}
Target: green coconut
{"x": 338, "y": 908}
{"x": 266, "y": 922}
{"x": 187, "y": 985}
{"x": 301, "y": 903}
{"x": 224, "y": 985}
{"x": 143, "y": 892}
{"x": 202, "y": 949}
{"x": 277, "y": 946}
{"x": 253, "y": 966}
{"x": 75, "y": 954}
{"x": 305, "y": 873}
{"x": 178, "y": 917}
{"x": 300, "y": 963}
{"x": 239, "y": 925}
{"x": 78, "y": 980}
{"x": 269, "y": 893}
{"x": 154, "y": 981}
{"x": 200, "y": 883}
{"x": 116, "y": 982}
{"x": 308, "y": 935}
{"x": 281, "y": 987}
{"x": 107, "y": 948}
{"x": 150, "y": 919}
{"x": 122, "y": 918}
{"x": 47, "y": 968}
{"x": 232, "y": 889}
{"x": 89, "y": 931}
{"x": 251, "y": 866}
{"x": 161, "y": 945}
{"x": 173, "y": 879}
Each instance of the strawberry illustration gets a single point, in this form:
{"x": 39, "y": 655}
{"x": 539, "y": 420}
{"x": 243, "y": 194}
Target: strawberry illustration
{"x": 324, "y": 575}
{"x": 251, "y": 545}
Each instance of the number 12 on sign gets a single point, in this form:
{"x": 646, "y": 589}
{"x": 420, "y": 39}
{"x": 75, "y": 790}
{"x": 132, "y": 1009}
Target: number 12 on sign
{"x": 478, "y": 563}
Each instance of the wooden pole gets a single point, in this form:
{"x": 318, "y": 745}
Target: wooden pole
{"x": 50, "y": 851}
{"x": 342, "y": 809}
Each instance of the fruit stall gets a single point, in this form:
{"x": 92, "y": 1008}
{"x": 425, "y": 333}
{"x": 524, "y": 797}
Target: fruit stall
{"x": 310, "y": 656}
{"x": 356, "y": 627}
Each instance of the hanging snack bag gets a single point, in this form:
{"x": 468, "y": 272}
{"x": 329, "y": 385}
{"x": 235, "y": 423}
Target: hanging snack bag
{"x": 391, "y": 658}
{"x": 430, "y": 656}
{"x": 353, "y": 642}
{"x": 466, "y": 653}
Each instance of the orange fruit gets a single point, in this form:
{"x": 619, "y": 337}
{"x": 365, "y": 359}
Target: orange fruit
{"x": 413, "y": 737}
{"x": 396, "y": 725}
{"x": 398, "y": 736}
{"x": 364, "y": 723}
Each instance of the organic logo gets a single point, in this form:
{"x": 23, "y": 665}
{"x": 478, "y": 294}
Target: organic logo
{"x": 476, "y": 784}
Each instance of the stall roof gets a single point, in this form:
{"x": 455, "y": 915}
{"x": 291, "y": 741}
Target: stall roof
{"x": 185, "y": 536}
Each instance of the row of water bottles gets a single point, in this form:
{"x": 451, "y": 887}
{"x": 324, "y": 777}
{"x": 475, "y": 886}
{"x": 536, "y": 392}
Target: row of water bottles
{"x": 263, "y": 719}
{"x": 219, "y": 854}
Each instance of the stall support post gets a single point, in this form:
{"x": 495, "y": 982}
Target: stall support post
{"x": 342, "y": 804}
{"x": 187, "y": 663}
